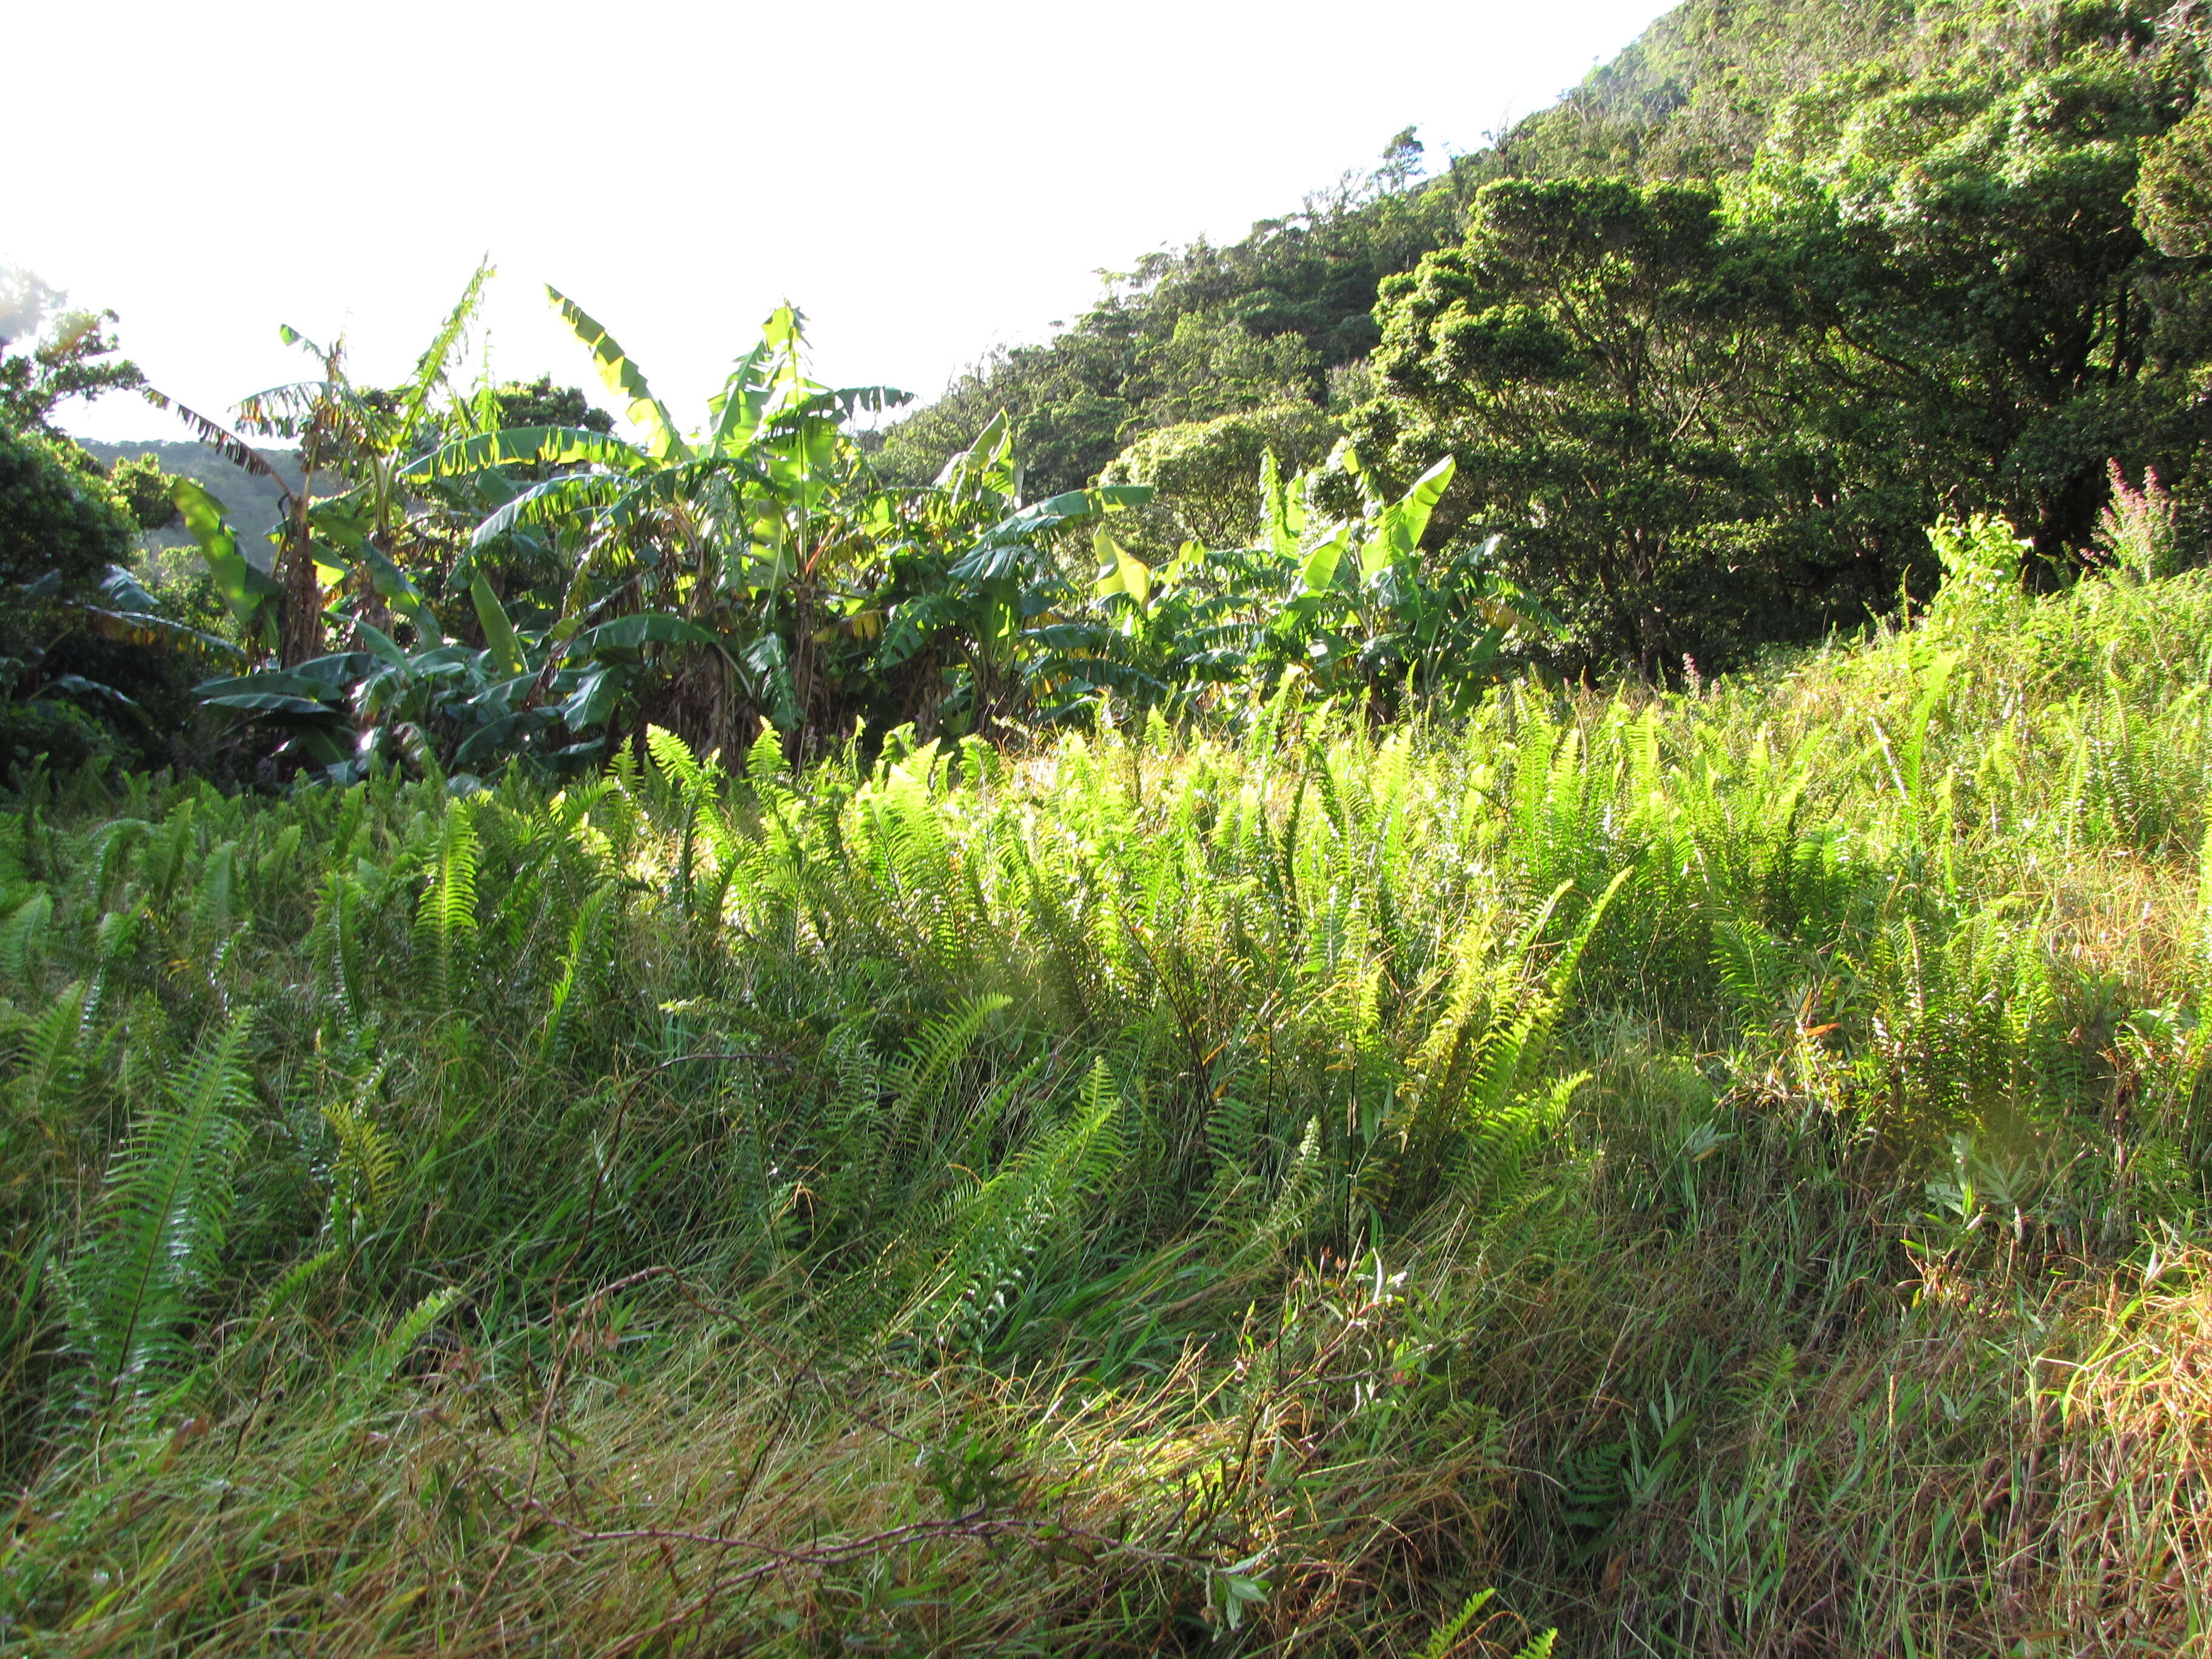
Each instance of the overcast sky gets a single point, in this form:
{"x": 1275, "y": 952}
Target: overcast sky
{"x": 923, "y": 180}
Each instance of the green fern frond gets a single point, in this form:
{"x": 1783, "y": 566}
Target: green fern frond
{"x": 162, "y": 866}
{"x": 14, "y": 868}
{"x": 765, "y": 760}
{"x": 1446, "y": 1636}
{"x": 336, "y": 935}
{"x": 1001, "y": 1225}
{"x": 917, "y": 1082}
{"x": 214, "y": 908}
{"x": 385, "y": 1356}
{"x": 288, "y": 1285}
{"x": 580, "y": 971}
{"x": 943, "y": 1044}
{"x": 1493, "y": 1162}
{"x": 367, "y": 1166}
{"x": 1292, "y": 1212}
{"x": 22, "y": 938}
{"x": 445, "y": 915}
{"x": 676, "y": 763}
{"x": 48, "y": 1051}
{"x": 164, "y": 1211}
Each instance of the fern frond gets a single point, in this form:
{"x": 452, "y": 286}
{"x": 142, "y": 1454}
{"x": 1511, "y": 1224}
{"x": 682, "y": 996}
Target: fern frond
{"x": 1000, "y": 1226}
{"x": 23, "y": 936}
{"x": 445, "y": 915}
{"x": 368, "y": 1167}
{"x": 337, "y": 926}
{"x": 48, "y": 1049}
{"x": 214, "y": 903}
{"x": 164, "y": 1211}
{"x": 1446, "y": 1636}
{"x": 385, "y": 1356}
{"x": 1292, "y": 1212}
{"x": 580, "y": 971}
{"x": 676, "y": 763}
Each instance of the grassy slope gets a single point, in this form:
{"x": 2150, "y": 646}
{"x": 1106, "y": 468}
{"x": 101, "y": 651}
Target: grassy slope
{"x": 1142, "y": 1181}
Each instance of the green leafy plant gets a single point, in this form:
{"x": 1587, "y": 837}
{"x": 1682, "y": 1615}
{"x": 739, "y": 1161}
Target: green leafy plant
{"x": 165, "y": 1203}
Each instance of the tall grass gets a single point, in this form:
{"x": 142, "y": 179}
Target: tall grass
{"x": 1722, "y": 1173}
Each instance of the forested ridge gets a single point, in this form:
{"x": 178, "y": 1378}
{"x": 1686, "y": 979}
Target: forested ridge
{"x": 1482, "y": 927}
{"x": 1713, "y": 339}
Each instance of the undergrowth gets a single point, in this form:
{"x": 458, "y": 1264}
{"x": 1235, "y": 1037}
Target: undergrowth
{"x": 1717, "y": 1173}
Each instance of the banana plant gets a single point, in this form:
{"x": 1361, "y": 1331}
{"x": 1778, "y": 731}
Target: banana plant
{"x": 525, "y": 698}
{"x": 978, "y": 590}
{"x": 355, "y": 540}
{"x": 357, "y": 535}
{"x": 762, "y": 529}
{"x": 1370, "y": 611}
{"x": 1170, "y": 637}
{"x": 1354, "y": 604}
{"x": 548, "y": 697}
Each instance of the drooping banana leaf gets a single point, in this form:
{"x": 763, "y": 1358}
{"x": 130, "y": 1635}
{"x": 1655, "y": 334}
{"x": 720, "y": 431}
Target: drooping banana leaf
{"x": 135, "y": 616}
{"x": 381, "y": 645}
{"x": 526, "y": 445}
{"x": 624, "y": 379}
{"x": 644, "y": 627}
{"x": 507, "y": 732}
{"x": 247, "y": 591}
{"x": 552, "y": 500}
{"x": 593, "y": 698}
{"x": 998, "y": 551}
{"x": 287, "y": 410}
{"x": 218, "y": 437}
{"x": 273, "y": 691}
{"x": 499, "y": 633}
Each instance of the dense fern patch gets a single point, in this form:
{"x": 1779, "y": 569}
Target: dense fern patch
{"x": 1722, "y": 1172}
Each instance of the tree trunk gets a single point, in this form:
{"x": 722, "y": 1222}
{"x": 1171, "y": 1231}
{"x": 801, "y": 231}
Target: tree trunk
{"x": 300, "y": 633}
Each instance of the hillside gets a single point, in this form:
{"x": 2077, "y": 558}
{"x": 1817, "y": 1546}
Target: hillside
{"x": 1695, "y": 95}
{"x": 1722, "y": 1170}
{"x": 1283, "y": 316}
{"x": 254, "y": 503}
{"x": 1540, "y": 985}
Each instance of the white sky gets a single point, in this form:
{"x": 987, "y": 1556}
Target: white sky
{"x": 923, "y": 180}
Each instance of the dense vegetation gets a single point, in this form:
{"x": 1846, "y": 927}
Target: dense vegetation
{"x": 1719, "y": 1168}
{"x": 1716, "y": 339}
{"x": 1703, "y": 352}
{"x": 1480, "y": 928}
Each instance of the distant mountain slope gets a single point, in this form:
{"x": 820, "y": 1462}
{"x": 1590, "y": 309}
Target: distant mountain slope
{"x": 253, "y": 503}
{"x": 1692, "y": 96}
{"x": 1280, "y": 321}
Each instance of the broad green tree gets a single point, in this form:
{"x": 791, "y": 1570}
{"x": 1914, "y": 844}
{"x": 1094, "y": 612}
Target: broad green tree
{"x": 1600, "y": 359}
{"x": 1966, "y": 245}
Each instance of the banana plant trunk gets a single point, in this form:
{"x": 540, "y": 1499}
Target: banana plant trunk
{"x": 300, "y": 633}
{"x": 802, "y": 673}
{"x": 301, "y": 636}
